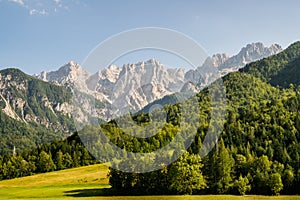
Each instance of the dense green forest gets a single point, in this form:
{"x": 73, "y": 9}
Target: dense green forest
{"x": 279, "y": 70}
{"x": 257, "y": 152}
{"x": 57, "y": 155}
{"x": 17, "y": 134}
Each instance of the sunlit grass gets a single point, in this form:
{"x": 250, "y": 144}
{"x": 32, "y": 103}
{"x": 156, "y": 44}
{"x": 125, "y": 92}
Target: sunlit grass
{"x": 88, "y": 183}
{"x": 95, "y": 174}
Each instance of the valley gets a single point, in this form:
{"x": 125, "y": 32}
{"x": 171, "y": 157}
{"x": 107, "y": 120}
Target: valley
{"x": 167, "y": 100}
{"x": 258, "y": 146}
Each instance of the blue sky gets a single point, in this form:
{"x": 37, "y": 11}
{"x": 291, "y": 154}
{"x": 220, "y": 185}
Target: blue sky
{"x": 39, "y": 35}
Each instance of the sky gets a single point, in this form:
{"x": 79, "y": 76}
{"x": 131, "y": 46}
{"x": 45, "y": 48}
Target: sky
{"x": 43, "y": 35}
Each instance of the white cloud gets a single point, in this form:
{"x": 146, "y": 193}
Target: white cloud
{"x": 42, "y": 7}
{"x": 39, "y": 12}
{"x": 20, "y": 2}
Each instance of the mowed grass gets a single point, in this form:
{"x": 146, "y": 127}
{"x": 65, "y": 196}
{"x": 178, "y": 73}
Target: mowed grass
{"x": 89, "y": 183}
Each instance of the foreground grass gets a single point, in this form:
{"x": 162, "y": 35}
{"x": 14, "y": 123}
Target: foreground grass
{"x": 95, "y": 174}
{"x": 56, "y": 185}
{"x": 88, "y": 183}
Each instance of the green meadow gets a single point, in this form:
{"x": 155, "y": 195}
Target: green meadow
{"x": 87, "y": 183}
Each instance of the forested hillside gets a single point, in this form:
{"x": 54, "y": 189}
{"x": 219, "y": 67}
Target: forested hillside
{"x": 258, "y": 150}
{"x": 32, "y": 111}
{"x": 281, "y": 69}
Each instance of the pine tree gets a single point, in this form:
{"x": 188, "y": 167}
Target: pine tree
{"x": 224, "y": 169}
{"x": 59, "y": 160}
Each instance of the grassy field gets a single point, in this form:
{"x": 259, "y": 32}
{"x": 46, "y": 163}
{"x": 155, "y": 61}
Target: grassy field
{"x": 87, "y": 183}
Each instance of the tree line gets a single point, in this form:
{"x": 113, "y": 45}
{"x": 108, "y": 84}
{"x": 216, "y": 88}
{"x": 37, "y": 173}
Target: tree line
{"x": 58, "y": 155}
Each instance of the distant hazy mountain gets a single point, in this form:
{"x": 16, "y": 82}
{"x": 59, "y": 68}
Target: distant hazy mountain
{"x": 250, "y": 53}
{"x": 221, "y": 64}
{"x": 133, "y": 86}
{"x": 281, "y": 69}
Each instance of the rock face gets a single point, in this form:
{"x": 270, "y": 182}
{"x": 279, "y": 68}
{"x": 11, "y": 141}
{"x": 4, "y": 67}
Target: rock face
{"x": 250, "y": 53}
{"x": 139, "y": 84}
{"x": 30, "y": 100}
{"x": 66, "y": 76}
{"x": 133, "y": 86}
{"x": 220, "y": 64}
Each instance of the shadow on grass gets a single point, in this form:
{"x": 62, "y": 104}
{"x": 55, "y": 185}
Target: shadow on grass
{"x": 90, "y": 192}
{"x": 102, "y": 192}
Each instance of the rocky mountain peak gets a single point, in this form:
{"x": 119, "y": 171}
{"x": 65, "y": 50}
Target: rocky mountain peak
{"x": 134, "y": 85}
{"x": 256, "y": 50}
{"x": 67, "y": 74}
{"x": 111, "y": 73}
{"x": 71, "y": 67}
{"x": 215, "y": 61}
{"x": 275, "y": 48}
{"x": 250, "y": 53}
{"x": 153, "y": 61}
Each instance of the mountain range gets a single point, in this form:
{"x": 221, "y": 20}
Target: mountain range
{"x": 36, "y": 109}
{"x": 133, "y": 86}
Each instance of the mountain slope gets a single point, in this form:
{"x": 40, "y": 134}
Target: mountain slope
{"x": 278, "y": 68}
{"x": 289, "y": 75}
{"x": 32, "y": 111}
{"x": 30, "y": 100}
{"x": 220, "y": 64}
{"x": 250, "y": 53}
